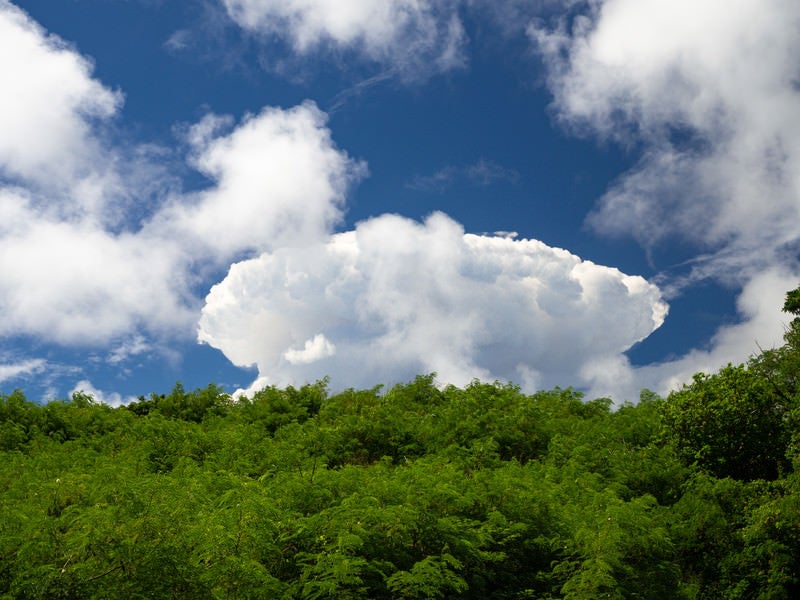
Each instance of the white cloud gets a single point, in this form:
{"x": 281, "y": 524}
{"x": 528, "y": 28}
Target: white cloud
{"x": 708, "y": 93}
{"x": 18, "y": 369}
{"x": 136, "y": 345}
{"x": 76, "y": 269}
{"x": 67, "y": 276}
{"x": 396, "y": 298}
{"x": 313, "y": 350}
{"x": 279, "y": 180}
{"x": 48, "y": 109}
{"x": 411, "y": 36}
{"x": 113, "y": 399}
{"x": 76, "y": 283}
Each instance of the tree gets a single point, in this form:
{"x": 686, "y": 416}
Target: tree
{"x": 731, "y": 424}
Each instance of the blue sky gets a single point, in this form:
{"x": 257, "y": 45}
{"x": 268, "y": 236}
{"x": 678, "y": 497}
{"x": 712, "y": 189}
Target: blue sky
{"x": 598, "y": 194}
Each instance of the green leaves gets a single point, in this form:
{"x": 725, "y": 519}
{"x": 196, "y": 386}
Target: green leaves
{"x": 432, "y": 577}
{"x": 731, "y": 424}
{"x": 412, "y": 492}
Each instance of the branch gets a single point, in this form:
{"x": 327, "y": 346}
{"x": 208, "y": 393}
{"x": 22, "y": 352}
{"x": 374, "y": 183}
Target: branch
{"x": 111, "y": 570}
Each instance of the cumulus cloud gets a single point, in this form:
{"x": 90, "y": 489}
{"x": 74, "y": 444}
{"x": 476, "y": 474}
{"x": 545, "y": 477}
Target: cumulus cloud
{"x": 67, "y": 275}
{"x": 48, "y": 109}
{"x": 707, "y": 94}
{"x": 77, "y": 283}
{"x": 279, "y": 180}
{"x": 76, "y": 269}
{"x": 313, "y": 350}
{"x": 394, "y": 298}
{"x": 410, "y": 36}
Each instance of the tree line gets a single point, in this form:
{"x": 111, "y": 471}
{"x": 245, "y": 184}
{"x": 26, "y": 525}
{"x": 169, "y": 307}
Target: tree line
{"x": 412, "y": 492}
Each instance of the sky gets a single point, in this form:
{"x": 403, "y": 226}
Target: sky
{"x": 598, "y": 194}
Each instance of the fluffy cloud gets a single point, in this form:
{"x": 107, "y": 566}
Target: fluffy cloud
{"x": 279, "y": 180}
{"x": 65, "y": 276}
{"x": 314, "y": 349}
{"x": 410, "y": 36}
{"x": 76, "y": 271}
{"x": 47, "y": 110}
{"x": 76, "y": 283}
{"x": 395, "y": 298}
{"x": 707, "y": 92}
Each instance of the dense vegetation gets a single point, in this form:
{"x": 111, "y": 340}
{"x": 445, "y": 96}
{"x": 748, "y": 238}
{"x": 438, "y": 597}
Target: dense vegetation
{"x": 412, "y": 492}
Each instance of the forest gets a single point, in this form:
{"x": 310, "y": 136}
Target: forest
{"x": 413, "y": 492}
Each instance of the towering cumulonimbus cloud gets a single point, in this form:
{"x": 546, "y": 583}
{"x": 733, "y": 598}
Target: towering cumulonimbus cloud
{"x": 394, "y": 298}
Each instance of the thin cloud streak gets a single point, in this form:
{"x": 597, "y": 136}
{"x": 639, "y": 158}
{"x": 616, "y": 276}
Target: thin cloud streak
{"x": 15, "y": 370}
{"x": 340, "y": 100}
{"x": 483, "y": 173}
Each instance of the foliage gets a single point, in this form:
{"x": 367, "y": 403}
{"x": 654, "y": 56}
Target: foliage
{"x": 415, "y": 491}
{"x": 730, "y": 423}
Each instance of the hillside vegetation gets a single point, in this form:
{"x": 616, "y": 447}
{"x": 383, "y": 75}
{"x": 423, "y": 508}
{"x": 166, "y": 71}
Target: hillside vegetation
{"x": 410, "y": 492}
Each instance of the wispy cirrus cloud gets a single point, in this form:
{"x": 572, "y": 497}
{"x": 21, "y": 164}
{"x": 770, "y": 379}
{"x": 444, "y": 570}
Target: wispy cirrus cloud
{"x": 15, "y": 369}
{"x": 483, "y": 172}
{"x": 486, "y": 172}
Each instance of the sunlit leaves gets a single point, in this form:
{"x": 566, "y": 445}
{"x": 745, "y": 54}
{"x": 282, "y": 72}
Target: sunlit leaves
{"x": 411, "y": 492}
